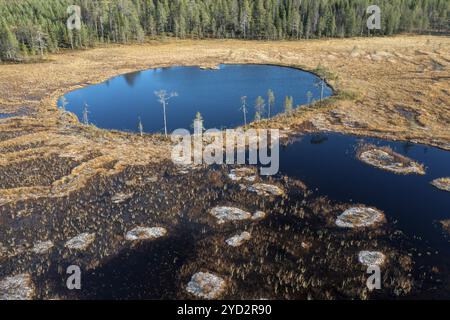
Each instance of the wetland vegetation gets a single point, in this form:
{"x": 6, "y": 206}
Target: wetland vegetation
{"x": 86, "y": 177}
{"x": 179, "y": 223}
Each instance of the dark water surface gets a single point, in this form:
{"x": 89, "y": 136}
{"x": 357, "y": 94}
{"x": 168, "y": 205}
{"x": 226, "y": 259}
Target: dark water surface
{"x": 7, "y": 115}
{"x": 119, "y": 102}
{"x": 328, "y": 163}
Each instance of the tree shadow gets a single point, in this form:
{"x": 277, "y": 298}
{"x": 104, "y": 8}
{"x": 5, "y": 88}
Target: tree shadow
{"x": 147, "y": 271}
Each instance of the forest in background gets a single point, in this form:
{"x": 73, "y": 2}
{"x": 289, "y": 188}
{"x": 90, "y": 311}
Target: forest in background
{"x": 31, "y": 28}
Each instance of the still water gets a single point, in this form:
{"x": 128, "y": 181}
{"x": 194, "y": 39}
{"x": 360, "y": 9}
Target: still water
{"x": 327, "y": 163}
{"x": 119, "y": 102}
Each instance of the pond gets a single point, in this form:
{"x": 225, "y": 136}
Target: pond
{"x": 120, "y": 102}
{"x": 7, "y": 115}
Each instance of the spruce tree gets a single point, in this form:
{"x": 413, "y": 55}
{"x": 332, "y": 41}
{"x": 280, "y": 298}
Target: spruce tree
{"x": 35, "y": 27}
{"x": 9, "y": 46}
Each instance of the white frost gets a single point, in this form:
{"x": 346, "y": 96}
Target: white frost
{"x": 390, "y": 161}
{"x": 259, "y": 215}
{"x": 142, "y": 233}
{"x": 242, "y": 173}
{"x": 442, "y": 183}
{"x": 263, "y": 189}
{"x": 206, "y": 285}
{"x": 239, "y": 239}
{"x": 121, "y": 197}
{"x": 19, "y": 287}
{"x": 359, "y": 217}
{"x": 80, "y": 242}
{"x": 370, "y": 258}
{"x": 42, "y": 247}
{"x": 225, "y": 214}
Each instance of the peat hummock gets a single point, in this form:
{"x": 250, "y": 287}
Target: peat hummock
{"x": 143, "y": 233}
{"x": 371, "y": 258}
{"x": 42, "y": 247}
{"x": 206, "y": 285}
{"x": 81, "y": 242}
{"x": 442, "y": 183}
{"x": 18, "y": 287}
{"x": 248, "y": 174}
{"x": 386, "y": 159}
{"x": 264, "y": 189}
{"x": 228, "y": 214}
{"x": 239, "y": 239}
{"x": 446, "y": 225}
{"x": 359, "y": 217}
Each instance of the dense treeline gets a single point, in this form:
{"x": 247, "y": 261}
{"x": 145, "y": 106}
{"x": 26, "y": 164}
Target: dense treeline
{"x": 33, "y": 27}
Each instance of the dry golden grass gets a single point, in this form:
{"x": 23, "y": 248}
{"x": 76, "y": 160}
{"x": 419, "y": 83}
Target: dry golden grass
{"x": 396, "y": 88}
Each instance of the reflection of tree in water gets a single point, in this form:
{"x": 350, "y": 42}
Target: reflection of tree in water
{"x": 319, "y": 139}
{"x": 131, "y": 78}
{"x": 407, "y": 146}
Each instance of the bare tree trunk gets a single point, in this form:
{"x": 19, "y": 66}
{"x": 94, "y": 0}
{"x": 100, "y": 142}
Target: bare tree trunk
{"x": 102, "y": 29}
{"x": 245, "y": 117}
{"x": 165, "y": 119}
{"x": 41, "y": 47}
{"x": 321, "y": 90}
{"x": 71, "y": 40}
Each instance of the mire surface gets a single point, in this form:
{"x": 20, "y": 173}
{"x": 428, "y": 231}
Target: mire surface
{"x": 59, "y": 178}
{"x": 396, "y": 88}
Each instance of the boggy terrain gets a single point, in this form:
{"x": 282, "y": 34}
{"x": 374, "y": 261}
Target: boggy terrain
{"x": 395, "y": 88}
{"x": 60, "y": 179}
{"x": 294, "y": 248}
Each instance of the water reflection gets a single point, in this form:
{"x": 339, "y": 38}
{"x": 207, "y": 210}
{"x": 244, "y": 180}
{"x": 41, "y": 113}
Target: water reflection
{"x": 119, "y": 102}
{"x": 319, "y": 139}
{"x": 410, "y": 200}
{"x": 131, "y": 78}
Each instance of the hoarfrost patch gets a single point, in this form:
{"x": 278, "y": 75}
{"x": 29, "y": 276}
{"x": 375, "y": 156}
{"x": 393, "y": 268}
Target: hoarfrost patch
{"x": 442, "y": 184}
{"x": 142, "y": 233}
{"x": 80, "y": 242}
{"x": 390, "y": 161}
{"x": 263, "y": 189}
{"x": 121, "y": 197}
{"x": 371, "y": 258}
{"x": 358, "y": 217}
{"x": 225, "y": 214}
{"x": 206, "y": 285}
{"x": 259, "y": 215}
{"x": 238, "y": 174}
{"x": 239, "y": 239}
{"x": 42, "y": 247}
{"x": 19, "y": 287}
